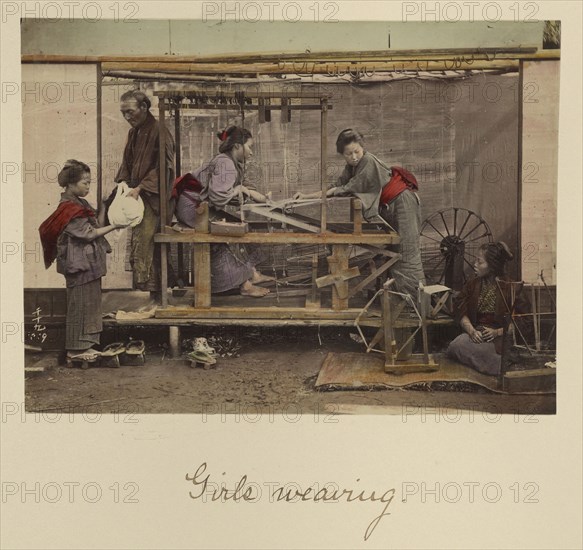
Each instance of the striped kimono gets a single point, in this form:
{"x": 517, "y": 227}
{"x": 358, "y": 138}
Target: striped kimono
{"x": 81, "y": 258}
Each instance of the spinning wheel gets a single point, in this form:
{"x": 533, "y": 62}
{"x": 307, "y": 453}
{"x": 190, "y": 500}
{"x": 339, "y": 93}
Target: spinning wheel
{"x": 449, "y": 242}
{"x": 405, "y": 322}
{"x": 397, "y": 323}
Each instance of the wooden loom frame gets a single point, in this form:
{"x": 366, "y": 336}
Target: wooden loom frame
{"x": 201, "y": 239}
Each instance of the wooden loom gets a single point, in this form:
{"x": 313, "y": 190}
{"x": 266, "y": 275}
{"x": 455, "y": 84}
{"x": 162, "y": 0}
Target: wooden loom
{"x": 345, "y": 281}
{"x": 340, "y": 276}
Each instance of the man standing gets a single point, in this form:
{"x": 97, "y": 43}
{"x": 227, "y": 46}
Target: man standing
{"x": 140, "y": 169}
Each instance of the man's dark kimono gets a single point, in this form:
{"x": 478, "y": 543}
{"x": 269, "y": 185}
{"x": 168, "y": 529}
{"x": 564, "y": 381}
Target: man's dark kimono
{"x": 140, "y": 166}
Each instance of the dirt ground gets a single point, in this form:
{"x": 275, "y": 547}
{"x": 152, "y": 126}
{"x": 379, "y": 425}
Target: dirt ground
{"x": 269, "y": 370}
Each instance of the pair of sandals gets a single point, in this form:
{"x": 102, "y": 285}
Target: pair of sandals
{"x": 133, "y": 347}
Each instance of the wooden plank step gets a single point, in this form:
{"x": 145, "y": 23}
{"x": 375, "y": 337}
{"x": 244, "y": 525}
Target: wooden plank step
{"x": 255, "y": 313}
{"x": 379, "y": 239}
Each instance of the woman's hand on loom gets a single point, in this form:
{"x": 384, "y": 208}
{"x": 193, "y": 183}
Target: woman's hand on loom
{"x": 255, "y": 195}
{"x": 304, "y": 196}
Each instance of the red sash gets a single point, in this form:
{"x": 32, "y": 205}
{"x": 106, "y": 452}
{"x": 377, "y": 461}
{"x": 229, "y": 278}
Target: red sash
{"x": 186, "y": 182}
{"x": 401, "y": 179}
{"x": 53, "y": 226}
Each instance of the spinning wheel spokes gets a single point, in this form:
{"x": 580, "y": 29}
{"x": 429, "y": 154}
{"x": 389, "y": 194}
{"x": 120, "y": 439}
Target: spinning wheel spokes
{"x": 450, "y": 239}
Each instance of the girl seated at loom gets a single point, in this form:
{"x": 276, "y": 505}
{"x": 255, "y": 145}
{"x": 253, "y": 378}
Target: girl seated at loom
{"x": 388, "y": 192}
{"x": 219, "y": 182}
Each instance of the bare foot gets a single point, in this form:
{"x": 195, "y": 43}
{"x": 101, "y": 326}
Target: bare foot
{"x": 248, "y": 289}
{"x": 260, "y": 278}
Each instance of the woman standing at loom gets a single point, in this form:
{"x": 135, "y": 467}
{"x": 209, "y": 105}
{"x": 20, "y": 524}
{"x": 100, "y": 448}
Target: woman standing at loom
{"x": 388, "y": 192}
{"x": 219, "y": 182}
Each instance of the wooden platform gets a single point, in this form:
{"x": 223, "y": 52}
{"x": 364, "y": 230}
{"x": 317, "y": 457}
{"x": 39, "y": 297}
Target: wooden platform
{"x": 362, "y": 371}
{"x": 281, "y": 237}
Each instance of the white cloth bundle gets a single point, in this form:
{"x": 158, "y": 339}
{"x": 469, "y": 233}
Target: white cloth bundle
{"x": 125, "y": 210}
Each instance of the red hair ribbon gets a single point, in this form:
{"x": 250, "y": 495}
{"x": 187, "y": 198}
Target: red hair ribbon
{"x": 224, "y": 135}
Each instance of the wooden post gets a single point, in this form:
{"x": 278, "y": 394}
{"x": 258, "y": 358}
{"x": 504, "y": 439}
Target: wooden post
{"x": 425, "y": 338}
{"x": 285, "y": 111}
{"x": 506, "y": 345}
{"x": 201, "y": 259}
{"x": 356, "y": 214}
{"x": 388, "y": 329}
{"x": 99, "y": 78}
{"x": 162, "y": 199}
{"x": 314, "y": 276}
{"x": 164, "y": 273}
{"x": 201, "y": 221}
{"x": 535, "y": 318}
{"x": 538, "y": 316}
{"x": 520, "y": 130}
{"x": 313, "y": 299}
{"x": 179, "y": 246}
{"x": 323, "y": 153}
{"x": 339, "y": 262}
{"x": 177, "y": 140}
{"x": 162, "y": 163}
{"x": 174, "y": 341}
